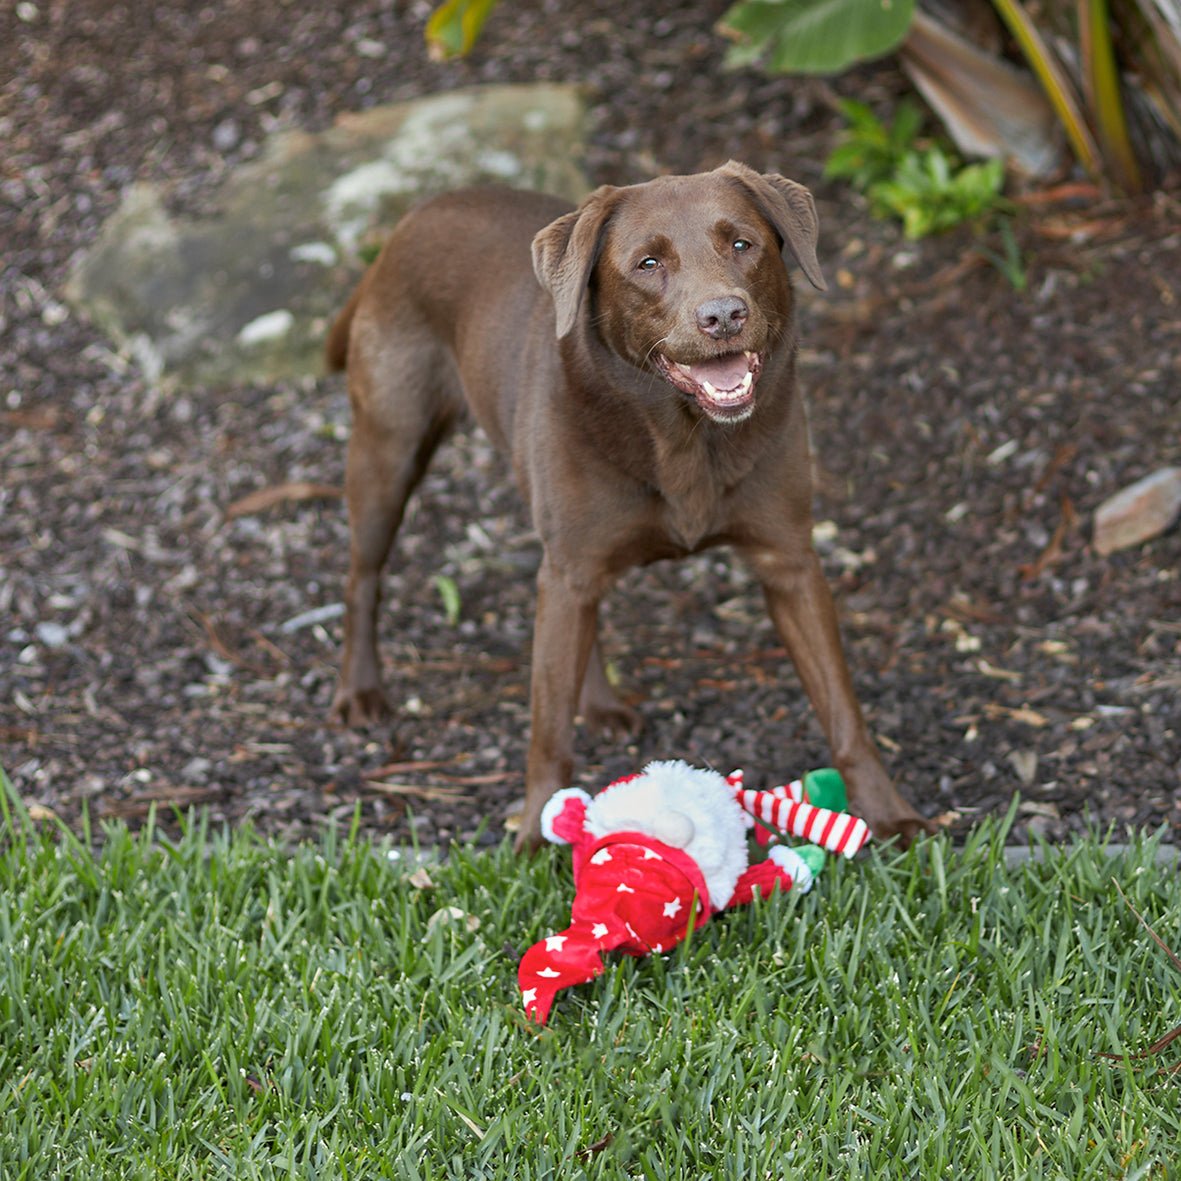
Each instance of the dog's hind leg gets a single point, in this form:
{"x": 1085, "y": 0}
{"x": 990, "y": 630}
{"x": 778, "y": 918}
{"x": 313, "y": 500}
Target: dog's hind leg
{"x": 600, "y": 706}
{"x": 404, "y": 406}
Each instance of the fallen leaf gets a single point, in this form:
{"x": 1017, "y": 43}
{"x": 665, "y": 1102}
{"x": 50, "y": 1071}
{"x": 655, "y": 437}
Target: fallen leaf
{"x": 413, "y": 765}
{"x": 1023, "y": 714}
{"x": 36, "y": 419}
{"x": 1079, "y": 230}
{"x": 452, "y": 914}
{"x": 997, "y": 674}
{"x": 1024, "y": 762}
{"x": 595, "y": 1148}
{"x": 1033, "y": 808}
{"x": 1070, "y": 191}
{"x": 966, "y": 611}
{"x": 265, "y": 498}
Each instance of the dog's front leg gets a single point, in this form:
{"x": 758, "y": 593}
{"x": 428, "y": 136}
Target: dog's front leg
{"x": 563, "y": 636}
{"x": 802, "y": 610}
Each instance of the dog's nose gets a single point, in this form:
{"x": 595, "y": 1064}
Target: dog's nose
{"x": 722, "y": 318}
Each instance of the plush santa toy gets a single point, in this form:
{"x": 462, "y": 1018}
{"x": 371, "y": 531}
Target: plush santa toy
{"x": 655, "y": 854}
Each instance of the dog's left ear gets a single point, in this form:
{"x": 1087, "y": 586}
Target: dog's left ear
{"x": 790, "y": 209}
{"x": 565, "y": 253}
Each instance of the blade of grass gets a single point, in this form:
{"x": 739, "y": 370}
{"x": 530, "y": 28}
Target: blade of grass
{"x": 1159, "y": 941}
{"x": 217, "y": 1005}
{"x": 1173, "y": 1034}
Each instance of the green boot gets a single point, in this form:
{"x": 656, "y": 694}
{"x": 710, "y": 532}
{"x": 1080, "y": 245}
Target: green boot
{"x": 826, "y": 789}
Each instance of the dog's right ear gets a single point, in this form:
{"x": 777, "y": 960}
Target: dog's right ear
{"x": 565, "y": 253}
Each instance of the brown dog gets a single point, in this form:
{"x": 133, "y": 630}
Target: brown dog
{"x": 641, "y": 378}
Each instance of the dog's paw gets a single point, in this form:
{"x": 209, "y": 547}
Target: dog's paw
{"x": 525, "y": 844}
{"x": 874, "y": 798}
{"x": 904, "y": 829}
{"x": 356, "y": 708}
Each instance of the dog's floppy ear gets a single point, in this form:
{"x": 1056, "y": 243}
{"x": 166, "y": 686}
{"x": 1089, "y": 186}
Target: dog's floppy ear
{"x": 790, "y": 209}
{"x": 565, "y": 252}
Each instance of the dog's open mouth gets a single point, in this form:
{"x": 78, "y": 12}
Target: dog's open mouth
{"x": 724, "y": 386}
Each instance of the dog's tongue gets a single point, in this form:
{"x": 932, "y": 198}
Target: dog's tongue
{"x": 723, "y": 373}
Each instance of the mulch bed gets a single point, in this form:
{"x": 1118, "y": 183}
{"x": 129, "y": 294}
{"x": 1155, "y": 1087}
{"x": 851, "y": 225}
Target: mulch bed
{"x": 157, "y": 646}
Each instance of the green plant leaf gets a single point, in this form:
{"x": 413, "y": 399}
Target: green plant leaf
{"x": 1054, "y": 82}
{"x": 455, "y": 26}
{"x": 1102, "y": 88}
{"x": 869, "y": 150}
{"x": 449, "y": 593}
{"x": 814, "y": 36}
{"x": 1008, "y": 260}
{"x": 908, "y": 122}
{"x": 928, "y": 193}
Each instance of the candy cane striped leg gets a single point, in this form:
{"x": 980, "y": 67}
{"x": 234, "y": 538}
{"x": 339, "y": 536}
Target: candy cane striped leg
{"x": 838, "y": 832}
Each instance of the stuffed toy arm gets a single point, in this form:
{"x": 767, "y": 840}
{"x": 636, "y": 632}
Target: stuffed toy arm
{"x": 783, "y": 869}
{"x": 563, "y": 819}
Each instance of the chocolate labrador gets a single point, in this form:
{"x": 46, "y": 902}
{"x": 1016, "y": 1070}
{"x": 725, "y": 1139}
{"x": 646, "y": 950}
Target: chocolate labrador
{"x": 640, "y": 375}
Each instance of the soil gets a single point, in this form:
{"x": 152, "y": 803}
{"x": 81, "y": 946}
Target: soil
{"x": 156, "y": 649}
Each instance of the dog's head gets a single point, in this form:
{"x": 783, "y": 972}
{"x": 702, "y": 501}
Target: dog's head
{"x": 685, "y": 276}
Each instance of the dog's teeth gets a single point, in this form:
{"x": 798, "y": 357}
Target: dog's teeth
{"x": 747, "y": 380}
{"x": 710, "y": 392}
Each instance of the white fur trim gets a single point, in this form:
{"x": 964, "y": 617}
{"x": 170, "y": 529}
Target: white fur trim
{"x": 553, "y": 806}
{"x": 691, "y": 808}
{"x": 794, "y": 865}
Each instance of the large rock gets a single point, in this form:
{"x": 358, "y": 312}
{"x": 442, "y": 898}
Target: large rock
{"x": 247, "y": 293}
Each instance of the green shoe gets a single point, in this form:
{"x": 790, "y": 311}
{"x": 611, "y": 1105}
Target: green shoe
{"x": 813, "y": 856}
{"x": 826, "y": 789}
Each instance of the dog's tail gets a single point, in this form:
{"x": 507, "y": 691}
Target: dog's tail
{"x": 336, "y": 347}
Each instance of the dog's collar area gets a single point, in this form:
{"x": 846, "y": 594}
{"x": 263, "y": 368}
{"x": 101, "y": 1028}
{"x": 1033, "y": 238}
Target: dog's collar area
{"x": 723, "y": 386}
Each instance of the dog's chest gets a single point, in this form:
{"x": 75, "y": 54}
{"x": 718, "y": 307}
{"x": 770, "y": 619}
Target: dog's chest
{"x": 691, "y": 504}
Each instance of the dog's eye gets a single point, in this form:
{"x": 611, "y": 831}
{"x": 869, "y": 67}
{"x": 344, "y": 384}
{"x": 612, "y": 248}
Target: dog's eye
{"x": 741, "y": 246}
{"x": 648, "y": 264}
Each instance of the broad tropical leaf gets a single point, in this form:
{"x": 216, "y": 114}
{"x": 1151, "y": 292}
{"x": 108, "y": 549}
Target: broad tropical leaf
{"x": 814, "y": 36}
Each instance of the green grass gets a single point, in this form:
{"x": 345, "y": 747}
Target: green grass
{"x": 218, "y": 1006}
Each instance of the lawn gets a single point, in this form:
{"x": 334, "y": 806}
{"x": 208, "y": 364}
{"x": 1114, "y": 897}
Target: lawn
{"x": 221, "y": 1006}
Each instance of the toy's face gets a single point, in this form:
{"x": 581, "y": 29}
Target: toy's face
{"x": 697, "y": 814}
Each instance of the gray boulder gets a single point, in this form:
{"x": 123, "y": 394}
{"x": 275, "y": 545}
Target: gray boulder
{"x": 246, "y": 292}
